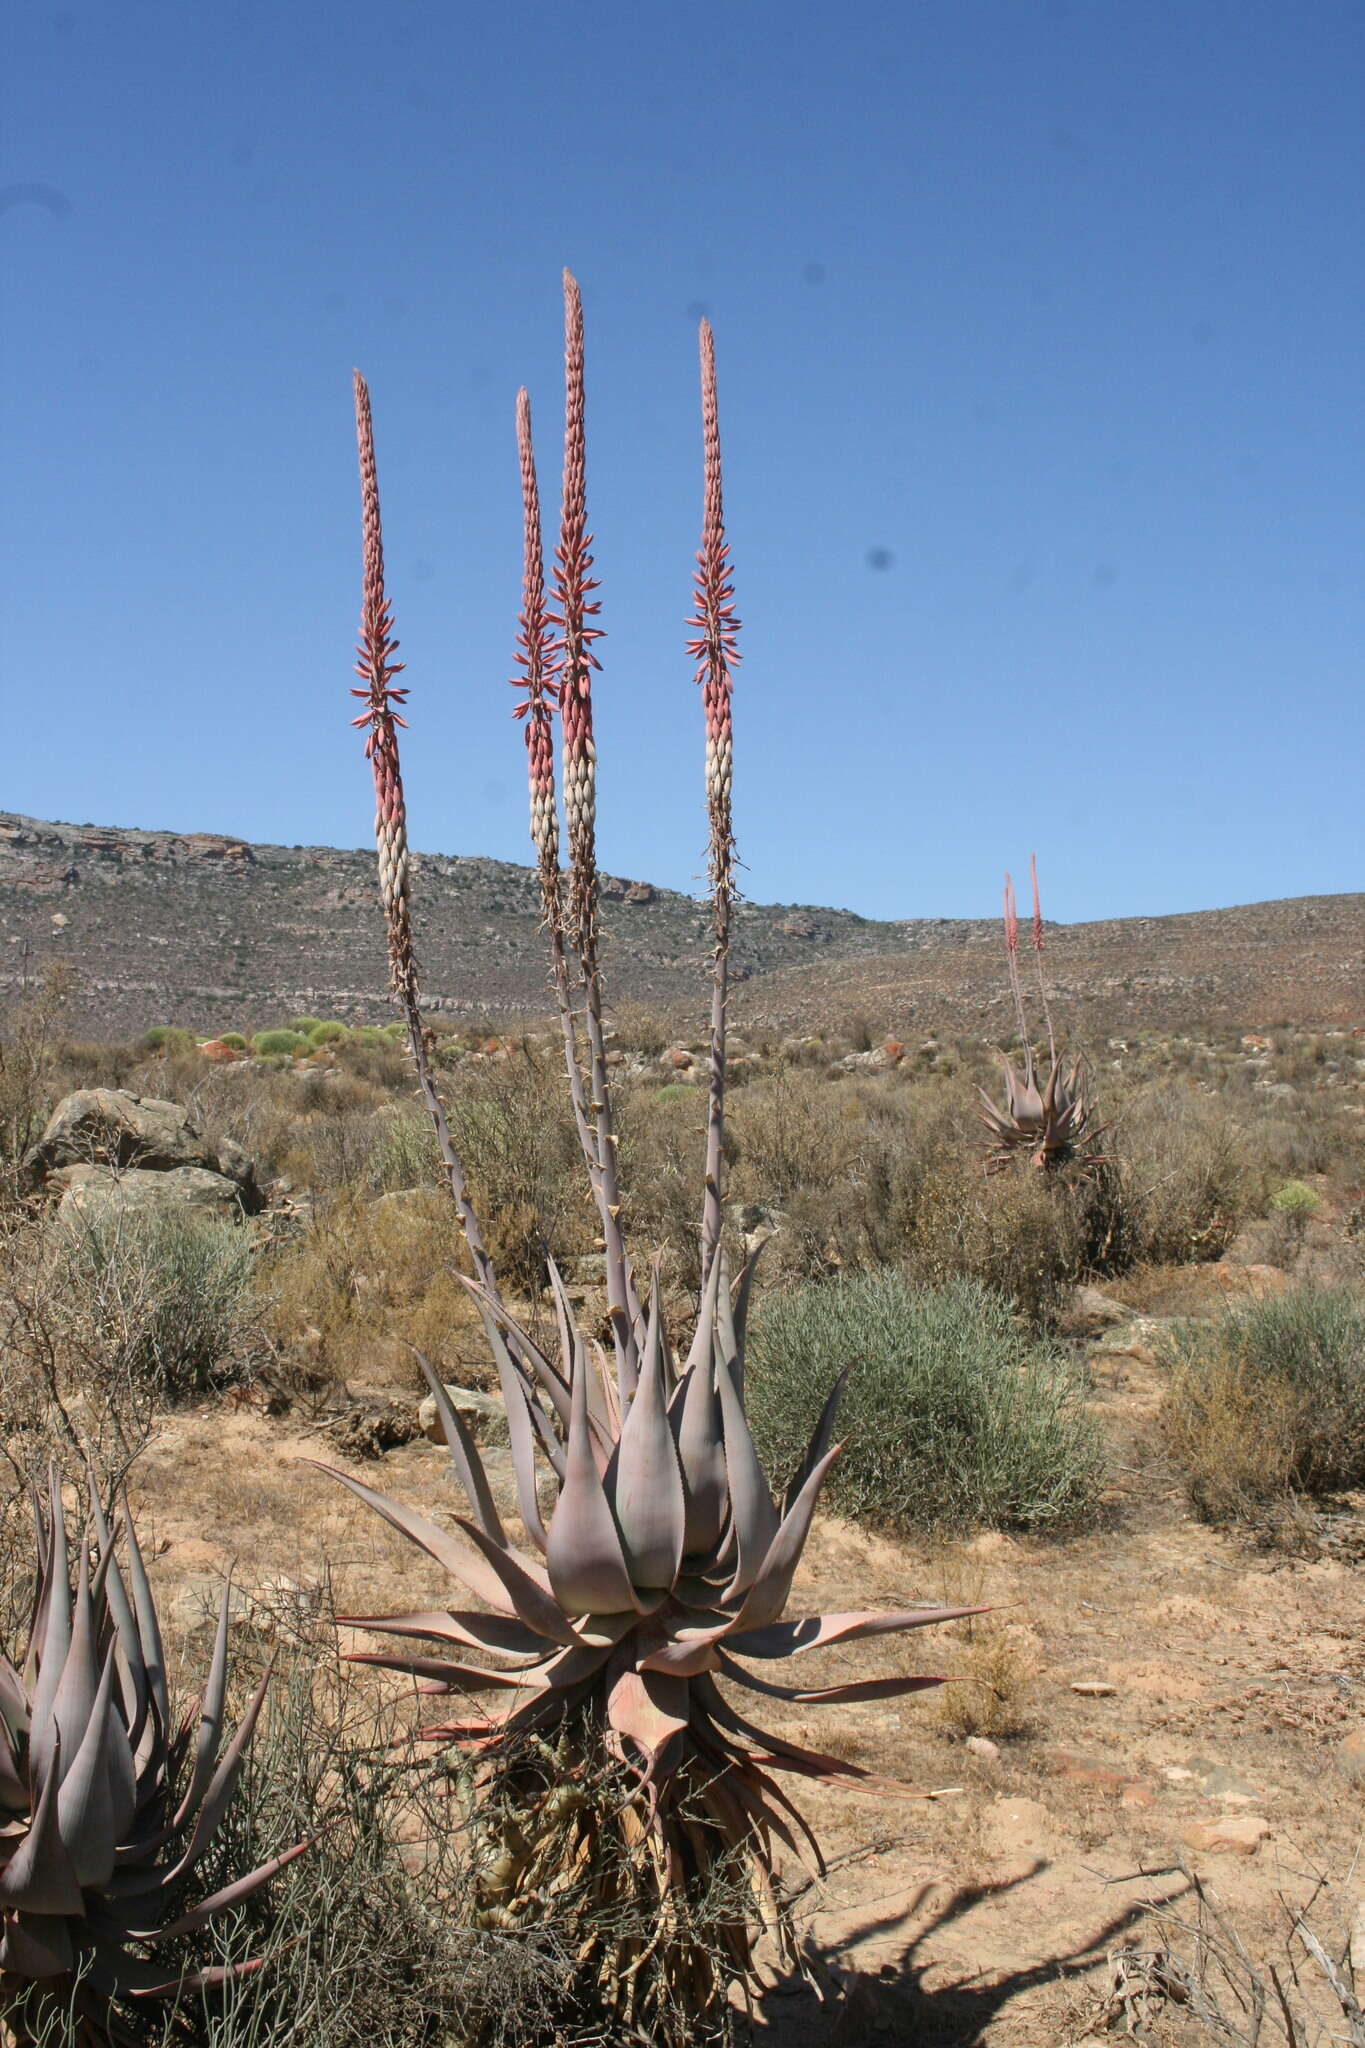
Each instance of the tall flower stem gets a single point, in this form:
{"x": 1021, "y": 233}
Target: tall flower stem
{"x": 715, "y": 651}
{"x": 576, "y": 608}
{"x": 1037, "y": 936}
{"x": 376, "y": 668}
{"x": 1011, "y": 911}
{"x": 536, "y": 659}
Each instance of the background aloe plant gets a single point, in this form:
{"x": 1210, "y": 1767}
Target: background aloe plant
{"x": 665, "y": 1563}
{"x": 1049, "y": 1119}
{"x": 106, "y": 1805}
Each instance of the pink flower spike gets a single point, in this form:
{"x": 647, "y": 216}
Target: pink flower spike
{"x": 1037, "y": 907}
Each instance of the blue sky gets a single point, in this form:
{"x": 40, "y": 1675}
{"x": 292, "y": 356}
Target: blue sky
{"x": 1039, "y": 342}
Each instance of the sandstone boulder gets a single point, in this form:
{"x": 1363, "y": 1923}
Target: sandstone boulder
{"x": 89, "y": 1194}
{"x": 111, "y": 1128}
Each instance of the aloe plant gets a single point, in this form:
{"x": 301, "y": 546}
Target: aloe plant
{"x": 1051, "y": 1118}
{"x": 106, "y": 1804}
{"x": 660, "y": 1575}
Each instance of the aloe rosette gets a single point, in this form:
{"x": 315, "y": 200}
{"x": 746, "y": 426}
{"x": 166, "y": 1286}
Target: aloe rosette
{"x": 1047, "y": 1118}
{"x": 106, "y": 1804}
{"x": 662, "y": 1573}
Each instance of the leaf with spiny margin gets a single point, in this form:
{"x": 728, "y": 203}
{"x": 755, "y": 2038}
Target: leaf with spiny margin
{"x": 828, "y": 1695}
{"x": 85, "y": 1807}
{"x": 648, "y": 1494}
{"x": 583, "y": 1552}
{"x": 464, "y": 1458}
{"x": 751, "y": 1505}
{"x": 526, "y": 1586}
{"x": 821, "y": 1437}
{"x": 40, "y": 1877}
{"x": 517, "y": 1399}
{"x": 772, "y": 1584}
{"x": 455, "y": 1558}
{"x": 791, "y": 1638}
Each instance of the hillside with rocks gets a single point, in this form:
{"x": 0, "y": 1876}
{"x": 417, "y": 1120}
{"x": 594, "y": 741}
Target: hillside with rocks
{"x": 213, "y": 932}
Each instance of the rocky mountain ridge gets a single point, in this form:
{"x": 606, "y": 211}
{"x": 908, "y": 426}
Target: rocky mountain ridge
{"x": 211, "y": 931}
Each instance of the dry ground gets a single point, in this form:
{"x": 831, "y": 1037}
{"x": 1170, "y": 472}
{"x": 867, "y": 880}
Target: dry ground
{"x": 985, "y": 1915}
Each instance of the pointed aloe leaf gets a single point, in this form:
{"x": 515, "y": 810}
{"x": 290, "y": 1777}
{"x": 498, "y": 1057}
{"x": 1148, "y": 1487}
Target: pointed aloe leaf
{"x": 767, "y": 1595}
{"x": 650, "y": 1509}
{"x": 829, "y": 1695}
{"x": 40, "y": 1877}
{"x": 222, "y": 1785}
{"x": 132, "y": 1672}
{"x": 74, "y": 1700}
{"x": 221, "y": 1902}
{"x": 464, "y": 1457}
{"x": 148, "y": 1628}
{"x": 754, "y": 1518}
{"x": 583, "y": 1552}
{"x": 739, "y": 1309}
{"x": 50, "y": 1663}
{"x": 648, "y": 1708}
{"x": 442, "y": 1675}
{"x": 778, "y": 1754}
{"x": 821, "y": 1437}
{"x": 210, "y": 1732}
{"x": 85, "y": 1809}
{"x": 517, "y": 1399}
{"x": 703, "y": 1344}
{"x": 456, "y": 1558}
{"x": 553, "y": 1381}
{"x": 502, "y": 1636}
{"x": 791, "y": 1638}
{"x": 525, "y": 1587}
{"x": 701, "y": 1454}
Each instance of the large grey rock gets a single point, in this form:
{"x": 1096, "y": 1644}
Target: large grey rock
{"x": 109, "y": 1127}
{"x": 89, "y": 1194}
{"x": 481, "y": 1412}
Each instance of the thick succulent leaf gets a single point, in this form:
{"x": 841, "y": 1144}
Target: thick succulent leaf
{"x": 441, "y": 1675}
{"x": 223, "y": 1785}
{"x": 574, "y": 1353}
{"x": 829, "y": 1695}
{"x": 790, "y": 1638}
{"x": 40, "y": 1876}
{"x": 648, "y": 1709}
{"x": 501, "y": 1634}
{"x": 130, "y": 1667}
{"x": 148, "y": 1628}
{"x": 464, "y": 1457}
{"x": 553, "y": 1381}
{"x": 702, "y": 1348}
{"x": 74, "y": 1700}
{"x": 223, "y": 1901}
{"x": 210, "y": 1732}
{"x": 821, "y": 1438}
{"x": 454, "y": 1557}
{"x": 583, "y": 1552}
{"x": 526, "y": 1587}
{"x": 51, "y": 1660}
{"x": 777, "y": 1754}
{"x": 648, "y": 1490}
{"x": 696, "y": 1417}
{"x": 753, "y": 1516}
{"x": 36, "y": 1946}
{"x": 85, "y": 1807}
{"x": 686, "y": 1655}
{"x": 517, "y": 1399}
{"x": 772, "y": 1585}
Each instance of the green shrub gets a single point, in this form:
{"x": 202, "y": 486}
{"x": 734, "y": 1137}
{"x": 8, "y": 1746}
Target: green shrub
{"x": 168, "y": 1038}
{"x": 287, "y": 1042}
{"x": 234, "y": 1040}
{"x": 952, "y": 1414}
{"x": 328, "y": 1034}
{"x": 304, "y": 1025}
{"x": 1295, "y": 1200}
{"x": 1269, "y": 1401}
{"x": 169, "y": 1296}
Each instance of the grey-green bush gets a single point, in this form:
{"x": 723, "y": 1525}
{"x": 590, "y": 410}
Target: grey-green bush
{"x": 171, "y": 1294}
{"x": 952, "y": 1416}
{"x": 1269, "y": 1400}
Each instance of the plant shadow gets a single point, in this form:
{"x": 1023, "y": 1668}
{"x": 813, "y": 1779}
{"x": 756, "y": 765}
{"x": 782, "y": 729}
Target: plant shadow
{"x": 892, "y": 2003}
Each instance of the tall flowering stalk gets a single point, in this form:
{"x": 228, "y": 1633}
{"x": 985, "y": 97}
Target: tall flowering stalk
{"x": 716, "y": 654}
{"x": 575, "y": 609}
{"x": 380, "y": 721}
{"x": 1038, "y": 956}
{"x": 535, "y": 657}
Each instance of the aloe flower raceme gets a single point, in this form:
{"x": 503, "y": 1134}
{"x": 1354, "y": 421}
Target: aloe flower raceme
{"x": 381, "y": 719}
{"x": 715, "y": 651}
{"x": 106, "y": 1806}
{"x": 1050, "y": 1119}
{"x": 576, "y": 608}
{"x": 659, "y": 1579}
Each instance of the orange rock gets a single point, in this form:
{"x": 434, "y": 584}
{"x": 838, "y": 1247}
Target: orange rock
{"x": 214, "y": 1049}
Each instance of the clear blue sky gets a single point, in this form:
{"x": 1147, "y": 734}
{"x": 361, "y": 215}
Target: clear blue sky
{"x": 1039, "y": 331}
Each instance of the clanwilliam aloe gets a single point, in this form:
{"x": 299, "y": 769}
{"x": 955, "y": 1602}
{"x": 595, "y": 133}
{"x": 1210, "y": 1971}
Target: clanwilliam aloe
{"x": 659, "y": 1576}
{"x": 106, "y": 1805}
{"x": 1049, "y": 1119}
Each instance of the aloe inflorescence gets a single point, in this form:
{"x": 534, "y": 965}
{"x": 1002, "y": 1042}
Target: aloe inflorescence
{"x": 657, "y": 1579}
{"x": 107, "y": 1804}
{"x": 1048, "y": 1118}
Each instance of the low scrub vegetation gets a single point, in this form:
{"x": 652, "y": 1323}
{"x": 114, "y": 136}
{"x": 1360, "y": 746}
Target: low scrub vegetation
{"x": 1269, "y": 1402}
{"x": 952, "y": 1414}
